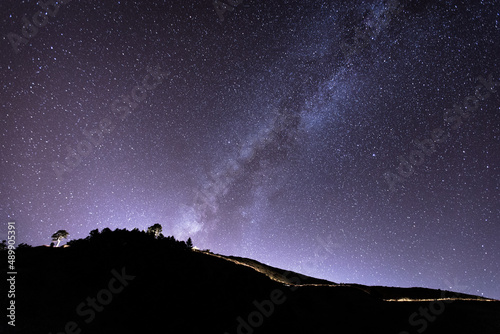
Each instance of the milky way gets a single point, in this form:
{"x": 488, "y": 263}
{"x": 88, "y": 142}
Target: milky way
{"x": 357, "y": 142}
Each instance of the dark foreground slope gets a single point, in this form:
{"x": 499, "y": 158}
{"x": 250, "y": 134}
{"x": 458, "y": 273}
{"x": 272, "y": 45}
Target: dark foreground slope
{"x": 128, "y": 282}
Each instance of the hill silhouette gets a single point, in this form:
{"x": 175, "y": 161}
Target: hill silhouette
{"x": 131, "y": 282}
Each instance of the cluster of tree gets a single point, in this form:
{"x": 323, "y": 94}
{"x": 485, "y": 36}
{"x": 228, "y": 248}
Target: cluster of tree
{"x": 120, "y": 237}
{"x": 108, "y": 236}
{"x": 3, "y": 245}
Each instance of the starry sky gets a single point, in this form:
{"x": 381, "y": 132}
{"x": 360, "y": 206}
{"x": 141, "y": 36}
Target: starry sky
{"x": 356, "y": 141}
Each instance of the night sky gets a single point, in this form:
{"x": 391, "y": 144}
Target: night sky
{"x": 357, "y": 141}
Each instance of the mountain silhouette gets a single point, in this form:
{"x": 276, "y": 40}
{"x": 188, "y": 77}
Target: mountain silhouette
{"x": 131, "y": 282}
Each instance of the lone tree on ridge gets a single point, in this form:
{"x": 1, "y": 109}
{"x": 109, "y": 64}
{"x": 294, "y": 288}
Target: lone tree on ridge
{"x": 156, "y": 229}
{"x": 59, "y": 235}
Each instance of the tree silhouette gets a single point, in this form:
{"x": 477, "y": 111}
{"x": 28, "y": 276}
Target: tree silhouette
{"x": 59, "y": 235}
{"x": 189, "y": 243}
{"x": 3, "y": 245}
{"x": 156, "y": 229}
{"x": 94, "y": 233}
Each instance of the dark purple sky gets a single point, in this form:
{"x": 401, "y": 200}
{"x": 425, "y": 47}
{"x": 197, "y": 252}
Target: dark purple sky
{"x": 356, "y": 142}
